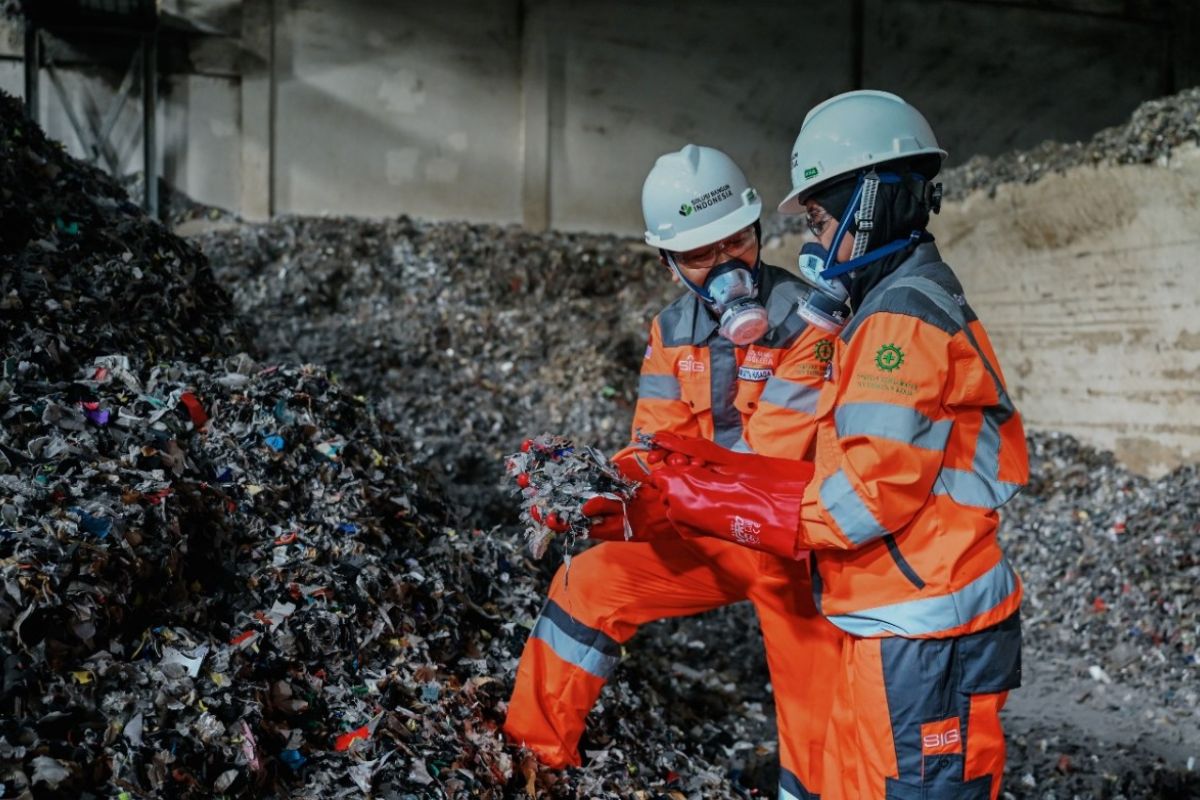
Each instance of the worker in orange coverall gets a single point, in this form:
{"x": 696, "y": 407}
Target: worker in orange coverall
{"x": 918, "y": 446}
{"x": 731, "y": 362}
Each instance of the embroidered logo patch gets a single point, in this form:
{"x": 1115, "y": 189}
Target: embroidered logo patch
{"x": 941, "y": 738}
{"x": 889, "y": 358}
{"x": 823, "y": 350}
{"x": 691, "y": 366}
{"x": 756, "y": 356}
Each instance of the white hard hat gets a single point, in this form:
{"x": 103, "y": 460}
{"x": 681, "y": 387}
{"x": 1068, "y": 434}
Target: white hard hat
{"x": 853, "y": 131}
{"x": 696, "y": 197}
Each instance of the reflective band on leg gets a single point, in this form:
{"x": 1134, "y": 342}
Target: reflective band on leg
{"x": 934, "y": 614}
{"x": 587, "y": 648}
{"x": 857, "y": 522}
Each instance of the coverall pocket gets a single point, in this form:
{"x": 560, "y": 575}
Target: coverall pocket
{"x": 990, "y": 661}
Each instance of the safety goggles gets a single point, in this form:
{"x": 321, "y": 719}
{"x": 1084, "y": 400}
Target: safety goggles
{"x": 710, "y": 255}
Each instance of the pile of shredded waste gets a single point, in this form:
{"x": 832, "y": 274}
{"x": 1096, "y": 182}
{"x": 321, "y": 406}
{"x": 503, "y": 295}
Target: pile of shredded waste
{"x": 225, "y": 572}
{"x": 516, "y": 332}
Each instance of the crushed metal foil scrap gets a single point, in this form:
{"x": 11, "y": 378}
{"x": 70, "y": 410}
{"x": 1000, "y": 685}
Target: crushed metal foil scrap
{"x": 555, "y": 478}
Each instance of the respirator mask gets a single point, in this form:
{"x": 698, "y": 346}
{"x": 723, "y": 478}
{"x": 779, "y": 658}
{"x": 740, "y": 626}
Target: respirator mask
{"x": 825, "y": 307}
{"x": 731, "y": 292}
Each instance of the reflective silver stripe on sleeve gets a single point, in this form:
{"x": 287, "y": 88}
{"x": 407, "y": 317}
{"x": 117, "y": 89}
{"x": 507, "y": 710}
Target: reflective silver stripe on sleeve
{"x": 848, "y": 510}
{"x": 790, "y": 395}
{"x": 888, "y": 421}
{"x": 658, "y": 387}
{"x": 591, "y": 650}
{"x": 931, "y": 615}
{"x": 980, "y": 486}
{"x": 969, "y": 488}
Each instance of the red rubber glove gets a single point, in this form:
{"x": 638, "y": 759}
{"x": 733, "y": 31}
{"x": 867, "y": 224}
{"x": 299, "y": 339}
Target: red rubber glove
{"x": 646, "y": 512}
{"x": 744, "y": 498}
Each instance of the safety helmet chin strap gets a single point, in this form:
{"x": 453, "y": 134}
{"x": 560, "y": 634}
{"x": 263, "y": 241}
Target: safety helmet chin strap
{"x": 861, "y": 209}
{"x": 700, "y": 291}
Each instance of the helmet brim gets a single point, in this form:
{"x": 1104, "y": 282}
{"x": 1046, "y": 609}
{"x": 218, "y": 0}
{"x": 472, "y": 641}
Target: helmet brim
{"x": 715, "y": 231}
{"x": 794, "y": 202}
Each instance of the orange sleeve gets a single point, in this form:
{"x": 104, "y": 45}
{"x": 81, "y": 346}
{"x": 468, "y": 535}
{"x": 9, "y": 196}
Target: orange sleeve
{"x": 659, "y": 404}
{"x": 885, "y": 436}
{"x": 784, "y": 424}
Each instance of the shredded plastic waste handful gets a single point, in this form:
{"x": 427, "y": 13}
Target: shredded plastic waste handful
{"x": 555, "y": 478}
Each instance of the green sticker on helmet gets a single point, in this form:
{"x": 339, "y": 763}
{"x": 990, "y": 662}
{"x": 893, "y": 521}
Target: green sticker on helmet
{"x": 685, "y": 209}
{"x": 811, "y": 172}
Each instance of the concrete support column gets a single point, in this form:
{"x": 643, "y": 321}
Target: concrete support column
{"x": 535, "y": 113}
{"x": 33, "y": 67}
{"x": 1185, "y": 45}
{"x": 257, "y": 110}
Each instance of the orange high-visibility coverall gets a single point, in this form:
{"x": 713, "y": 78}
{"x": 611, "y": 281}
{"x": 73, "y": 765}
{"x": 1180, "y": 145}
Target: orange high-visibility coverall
{"x": 918, "y": 445}
{"x": 758, "y": 398}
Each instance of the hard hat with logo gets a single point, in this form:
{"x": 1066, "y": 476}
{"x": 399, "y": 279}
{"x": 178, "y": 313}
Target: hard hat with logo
{"x": 695, "y": 197}
{"x": 851, "y": 132}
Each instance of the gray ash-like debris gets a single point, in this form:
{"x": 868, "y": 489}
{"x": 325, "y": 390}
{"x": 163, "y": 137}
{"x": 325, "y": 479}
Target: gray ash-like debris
{"x": 1111, "y": 563}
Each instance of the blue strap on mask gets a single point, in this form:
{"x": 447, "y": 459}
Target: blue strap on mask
{"x": 834, "y": 269}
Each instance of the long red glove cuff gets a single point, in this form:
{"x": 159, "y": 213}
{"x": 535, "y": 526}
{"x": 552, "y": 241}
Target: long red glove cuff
{"x": 755, "y": 511}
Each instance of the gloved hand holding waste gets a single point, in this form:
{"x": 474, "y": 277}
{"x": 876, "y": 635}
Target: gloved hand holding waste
{"x": 640, "y": 518}
{"x": 748, "y": 499}
{"x": 557, "y": 480}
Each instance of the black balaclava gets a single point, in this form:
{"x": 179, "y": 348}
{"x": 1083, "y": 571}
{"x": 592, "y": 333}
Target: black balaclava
{"x": 900, "y": 208}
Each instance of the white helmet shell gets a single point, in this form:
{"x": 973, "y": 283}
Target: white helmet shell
{"x": 695, "y": 197}
{"x": 853, "y": 131}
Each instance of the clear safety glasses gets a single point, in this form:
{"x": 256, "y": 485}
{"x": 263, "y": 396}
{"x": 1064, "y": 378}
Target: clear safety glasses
{"x": 710, "y": 255}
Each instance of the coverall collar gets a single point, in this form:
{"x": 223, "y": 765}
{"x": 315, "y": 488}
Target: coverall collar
{"x": 924, "y": 253}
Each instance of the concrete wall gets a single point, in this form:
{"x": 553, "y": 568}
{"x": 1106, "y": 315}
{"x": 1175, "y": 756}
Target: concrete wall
{"x": 634, "y": 85}
{"x": 1087, "y": 284}
{"x": 549, "y": 112}
{"x": 398, "y": 107}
